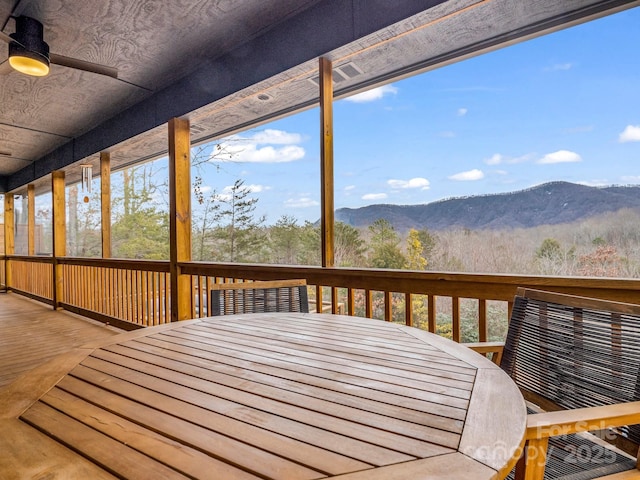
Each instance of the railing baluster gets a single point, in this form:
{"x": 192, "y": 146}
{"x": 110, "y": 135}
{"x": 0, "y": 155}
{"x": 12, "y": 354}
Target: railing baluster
{"x": 334, "y": 300}
{"x": 482, "y": 320}
{"x": 368, "y": 304}
{"x": 319, "y": 298}
{"x": 431, "y": 313}
{"x": 350, "y": 302}
{"x": 455, "y": 318}
{"x": 388, "y": 306}
{"x": 408, "y": 310}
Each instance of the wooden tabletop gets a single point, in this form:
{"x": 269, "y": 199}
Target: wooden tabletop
{"x": 277, "y": 396}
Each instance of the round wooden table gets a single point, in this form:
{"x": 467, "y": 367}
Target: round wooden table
{"x": 277, "y": 395}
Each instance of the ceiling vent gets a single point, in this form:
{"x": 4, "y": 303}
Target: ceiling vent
{"x": 340, "y": 73}
{"x": 195, "y": 129}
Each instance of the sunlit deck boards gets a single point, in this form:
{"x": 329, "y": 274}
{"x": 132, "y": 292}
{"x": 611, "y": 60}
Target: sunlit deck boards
{"x": 281, "y": 396}
{"x": 32, "y": 333}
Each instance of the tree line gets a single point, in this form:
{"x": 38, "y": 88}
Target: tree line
{"x": 225, "y": 228}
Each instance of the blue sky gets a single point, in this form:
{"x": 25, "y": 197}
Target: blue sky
{"x": 565, "y": 106}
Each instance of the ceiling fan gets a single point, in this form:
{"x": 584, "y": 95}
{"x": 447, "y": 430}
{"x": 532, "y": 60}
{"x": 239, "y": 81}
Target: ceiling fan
{"x": 29, "y": 53}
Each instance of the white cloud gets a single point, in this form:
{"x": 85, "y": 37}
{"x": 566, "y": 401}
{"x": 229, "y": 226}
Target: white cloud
{"x": 496, "y": 159}
{"x": 373, "y": 94}
{"x": 228, "y": 190}
{"x": 462, "y": 112}
{"x": 276, "y": 137}
{"x": 348, "y": 188}
{"x": 630, "y": 134}
{"x": 257, "y": 188}
{"x": 259, "y": 148}
{"x": 499, "y": 159}
{"x": 223, "y": 197}
{"x": 251, "y": 153}
{"x": 302, "y": 202}
{"x": 374, "y": 196}
{"x": 418, "y": 182}
{"x": 469, "y": 175}
{"x": 561, "y": 156}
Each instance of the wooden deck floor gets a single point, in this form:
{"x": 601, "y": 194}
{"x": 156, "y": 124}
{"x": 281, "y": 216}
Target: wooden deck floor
{"x": 32, "y": 333}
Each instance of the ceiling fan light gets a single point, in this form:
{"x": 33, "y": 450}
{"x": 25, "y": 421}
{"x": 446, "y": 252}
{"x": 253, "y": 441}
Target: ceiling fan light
{"x": 37, "y": 67}
{"x": 29, "y": 53}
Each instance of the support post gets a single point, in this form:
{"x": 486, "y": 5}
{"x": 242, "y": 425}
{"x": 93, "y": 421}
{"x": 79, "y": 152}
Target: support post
{"x": 59, "y": 233}
{"x": 180, "y": 216}
{"x": 9, "y": 236}
{"x": 326, "y": 161}
{"x": 31, "y": 219}
{"x": 105, "y": 203}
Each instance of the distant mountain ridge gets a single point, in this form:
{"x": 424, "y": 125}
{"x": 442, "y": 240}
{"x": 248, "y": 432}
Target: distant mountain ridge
{"x": 549, "y": 203}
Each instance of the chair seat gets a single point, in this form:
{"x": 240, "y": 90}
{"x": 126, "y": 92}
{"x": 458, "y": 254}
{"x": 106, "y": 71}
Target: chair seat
{"x": 577, "y": 457}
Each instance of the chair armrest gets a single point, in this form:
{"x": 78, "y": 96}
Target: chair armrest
{"x": 553, "y": 424}
{"x": 496, "y": 348}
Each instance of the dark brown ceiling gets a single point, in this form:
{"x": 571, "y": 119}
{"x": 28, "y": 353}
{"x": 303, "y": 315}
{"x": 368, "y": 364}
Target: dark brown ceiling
{"x": 228, "y": 64}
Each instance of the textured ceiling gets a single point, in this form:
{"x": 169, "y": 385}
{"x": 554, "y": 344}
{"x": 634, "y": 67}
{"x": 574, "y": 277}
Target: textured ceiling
{"x": 228, "y": 64}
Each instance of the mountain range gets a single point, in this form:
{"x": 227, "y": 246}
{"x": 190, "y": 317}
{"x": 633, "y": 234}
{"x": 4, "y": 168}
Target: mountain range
{"x": 549, "y": 203}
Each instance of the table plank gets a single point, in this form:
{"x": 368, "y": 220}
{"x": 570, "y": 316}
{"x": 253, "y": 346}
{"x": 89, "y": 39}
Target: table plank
{"x": 336, "y": 341}
{"x": 454, "y": 466}
{"x": 185, "y": 459}
{"x": 318, "y": 369}
{"x": 412, "y": 367}
{"x": 196, "y": 378}
{"x": 363, "y": 369}
{"x": 26, "y": 453}
{"x": 350, "y": 357}
{"x": 422, "y": 413}
{"x": 140, "y": 389}
{"x": 112, "y": 455}
{"x": 490, "y": 439}
{"x": 252, "y": 459}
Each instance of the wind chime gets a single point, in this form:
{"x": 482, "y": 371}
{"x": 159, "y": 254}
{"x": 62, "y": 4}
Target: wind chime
{"x": 86, "y": 182}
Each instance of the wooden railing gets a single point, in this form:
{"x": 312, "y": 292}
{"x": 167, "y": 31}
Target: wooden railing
{"x": 136, "y": 292}
{"x": 32, "y": 277}
{"x": 422, "y": 299}
{"x": 467, "y": 307}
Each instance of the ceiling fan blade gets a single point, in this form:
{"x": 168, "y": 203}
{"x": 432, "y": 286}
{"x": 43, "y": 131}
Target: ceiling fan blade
{"x": 83, "y": 65}
{"x": 5, "y": 37}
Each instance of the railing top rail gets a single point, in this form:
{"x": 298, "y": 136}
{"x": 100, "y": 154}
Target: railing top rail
{"x": 465, "y": 285}
{"x": 126, "y": 264}
{"x": 29, "y": 258}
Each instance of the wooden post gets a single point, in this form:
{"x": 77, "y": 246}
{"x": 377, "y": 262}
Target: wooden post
{"x": 326, "y": 161}
{"x": 31, "y": 219}
{"x": 59, "y": 233}
{"x": 9, "y": 236}
{"x": 105, "y": 202}
{"x": 179, "y": 216}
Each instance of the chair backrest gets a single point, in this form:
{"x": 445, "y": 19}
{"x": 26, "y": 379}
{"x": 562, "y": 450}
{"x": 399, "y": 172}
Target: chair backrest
{"x": 257, "y": 297}
{"x": 574, "y": 351}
